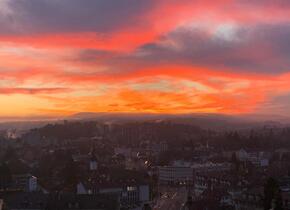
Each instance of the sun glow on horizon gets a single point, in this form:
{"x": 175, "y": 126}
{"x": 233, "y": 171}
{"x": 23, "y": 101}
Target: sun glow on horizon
{"x": 103, "y": 56}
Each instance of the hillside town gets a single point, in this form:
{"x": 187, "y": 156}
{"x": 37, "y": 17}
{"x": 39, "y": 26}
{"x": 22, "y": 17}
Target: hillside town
{"x": 93, "y": 165}
{"x": 144, "y": 104}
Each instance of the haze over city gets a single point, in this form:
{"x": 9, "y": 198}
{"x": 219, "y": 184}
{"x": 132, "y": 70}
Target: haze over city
{"x": 59, "y": 58}
{"x": 144, "y": 104}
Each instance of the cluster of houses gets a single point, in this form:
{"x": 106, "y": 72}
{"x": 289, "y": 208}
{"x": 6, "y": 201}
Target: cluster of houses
{"x": 121, "y": 177}
{"x": 237, "y": 182}
{"x": 100, "y": 185}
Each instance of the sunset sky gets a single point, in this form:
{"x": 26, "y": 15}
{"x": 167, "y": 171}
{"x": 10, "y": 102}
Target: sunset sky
{"x": 59, "y": 57}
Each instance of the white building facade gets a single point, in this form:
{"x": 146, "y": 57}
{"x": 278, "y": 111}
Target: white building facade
{"x": 175, "y": 174}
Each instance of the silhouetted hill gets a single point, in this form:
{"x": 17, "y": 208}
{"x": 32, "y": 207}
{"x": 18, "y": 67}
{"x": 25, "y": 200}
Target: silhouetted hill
{"x": 207, "y": 121}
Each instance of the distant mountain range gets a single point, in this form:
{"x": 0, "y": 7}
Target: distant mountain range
{"x": 206, "y": 121}
{"x": 210, "y": 121}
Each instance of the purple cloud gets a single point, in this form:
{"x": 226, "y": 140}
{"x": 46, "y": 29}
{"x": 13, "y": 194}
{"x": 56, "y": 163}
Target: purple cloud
{"x": 50, "y": 16}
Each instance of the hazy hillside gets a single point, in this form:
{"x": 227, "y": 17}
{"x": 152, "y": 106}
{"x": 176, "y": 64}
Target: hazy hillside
{"x": 206, "y": 121}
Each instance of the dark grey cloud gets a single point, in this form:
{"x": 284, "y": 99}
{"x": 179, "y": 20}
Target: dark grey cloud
{"x": 92, "y": 55}
{"x": 47, "y": 16}
{"x": 276, "y": 3}
{"x": 261, "y": 48}
{"x": 278, "y": 104}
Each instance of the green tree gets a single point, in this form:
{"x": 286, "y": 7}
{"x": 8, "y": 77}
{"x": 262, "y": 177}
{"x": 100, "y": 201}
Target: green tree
{"x": 70, "y": 173}
{"x": 10, "y": 154}
{"x": 272, "y": 193}
{"x": 278, "y": 201}
{"x": 5, "y": 176}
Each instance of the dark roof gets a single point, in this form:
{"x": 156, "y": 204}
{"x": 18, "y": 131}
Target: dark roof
{"x": 215, "y": 194}
{"x": 93, "y": 156}
{"x": 221, "y": 175}
{"x": 21, "y": 200}
{"x": 18, "y": 167}
{"x": 211, "y": 205}
{"x": 114, "y": 177}
{"x": 71, "y": 201}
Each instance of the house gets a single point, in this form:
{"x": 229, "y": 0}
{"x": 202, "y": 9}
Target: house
{"x": 1, "y": 204}
{"x": 23, "y": 200}
{"x": 221, "y": 180}
{"x": 130, "y": 194}
{"x": 242, "y": 155}
{"x": 25, "y": 182}
{"x": 40, "y": 201}
{"x": 213, "y": 199}
{"x": 251, "y": 199}
{"x": 178, "y": 173}
{"x": 18, "y": 176}
{"x": 131, "y": 186}
{"x": 83, "y": 202}
{"x": 127, "y": 152}
{"x": 218, "y": 195}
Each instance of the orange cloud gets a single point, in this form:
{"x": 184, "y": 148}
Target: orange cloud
{"x": 32, "y": 91}
{"x": 44, "y": 68}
